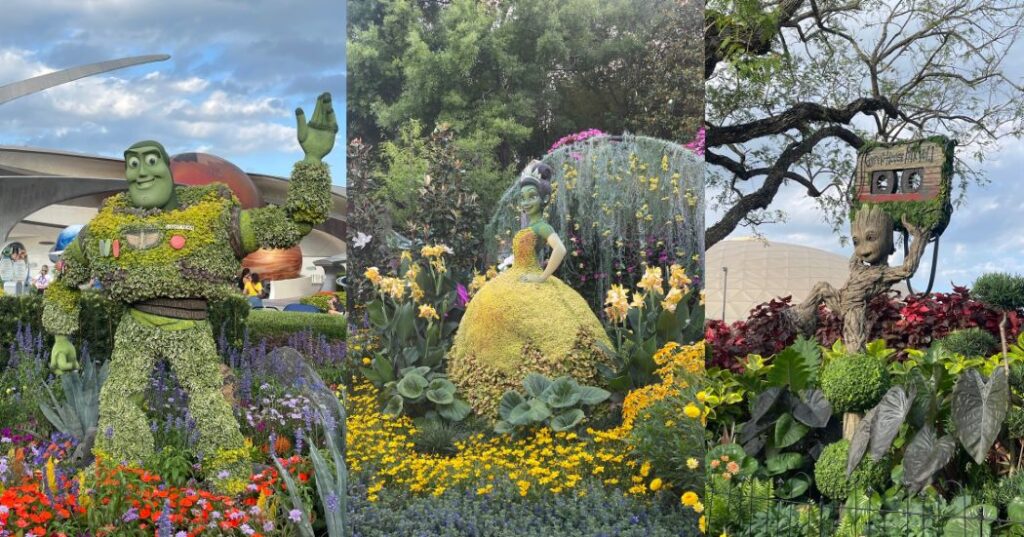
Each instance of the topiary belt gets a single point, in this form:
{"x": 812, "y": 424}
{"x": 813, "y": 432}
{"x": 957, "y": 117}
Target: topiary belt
{"x": 193, "y": 309}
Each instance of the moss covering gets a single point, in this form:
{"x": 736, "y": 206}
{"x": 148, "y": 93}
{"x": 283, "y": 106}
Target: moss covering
{"x": 932, "y": 214}
{"x": 830, "y": 472}
{"x": 309, "y": 195}
{"x": 854, "y": 382}
{"x": 123, "y": 427}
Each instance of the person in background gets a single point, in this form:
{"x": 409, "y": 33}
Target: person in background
{"x": 43, "y": 280}
{"x": 243, "y": 278}
{"x": 334, "y": 306}
{"x": 253, "y": 287}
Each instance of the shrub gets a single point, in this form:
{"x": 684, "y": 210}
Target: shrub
{"x": 277, "y": 324}
{"x": 970, "y": 342}
{"x": 1015, "y": 422}
{"x": 323, "y": 299}
{"x": 830, "y": 472}
{"x": 854, "y": 382}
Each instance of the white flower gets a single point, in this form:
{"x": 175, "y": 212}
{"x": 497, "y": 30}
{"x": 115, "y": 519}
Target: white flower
{"x": 361, "y": 239}
{"x": 506, "y": 263}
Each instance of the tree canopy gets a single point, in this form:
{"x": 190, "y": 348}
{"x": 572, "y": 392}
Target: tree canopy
{"x": 794, "y": 87}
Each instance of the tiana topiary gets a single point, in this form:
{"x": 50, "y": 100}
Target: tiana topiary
{"x": 854, "y": 382}
{"x": 830, "y": 472}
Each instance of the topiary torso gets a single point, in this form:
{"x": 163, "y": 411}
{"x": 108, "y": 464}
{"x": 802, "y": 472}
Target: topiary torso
{"x": 830, "y": 472}
{"x": 188, "y": 252}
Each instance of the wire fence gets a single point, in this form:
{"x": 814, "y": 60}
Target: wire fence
{"x": 740, "y": 514}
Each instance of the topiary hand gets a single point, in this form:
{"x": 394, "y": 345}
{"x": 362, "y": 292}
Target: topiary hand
{"x": 63, "y": 357}
{"x": 317, "y": 137}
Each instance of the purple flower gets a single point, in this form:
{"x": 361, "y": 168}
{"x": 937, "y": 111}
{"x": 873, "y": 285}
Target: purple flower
{"x": 295, "y": 515}
{"x": 463, "y": 295}
{"x": 130, "y": 515}
{"x": 163, "y": 524}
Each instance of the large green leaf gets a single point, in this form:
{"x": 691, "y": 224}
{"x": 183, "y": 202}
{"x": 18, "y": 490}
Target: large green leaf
{"x": 891, "y": 412}
{"x": 535, "y": 384}
{"x": 563, "y": 392}
{"x": 404, "y": 321}
{"x": 783, "y": 462}
{"x": 975, "y": 521}
{"x": 788, "y": 431}
{"x": 529, "y": 412}
{"x": 793, "y": 487}
{"x": 979, "y": 409}
{"x": 457, "y": 410}
{"x": 567, "y": 420}
{"x": 811, "y": 353}
{"x": 394, "y": 406}
{"x": 412, "y": 386}
{"x": 592, "y": 395}
{"x": 925, "y": 456}
{"x": 790, "y": 368}
{"x": 441, "y": 391}
{"x": 510, "y": 400}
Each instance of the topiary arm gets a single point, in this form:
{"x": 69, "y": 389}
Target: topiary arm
{"x": 61, "y": 306}
{"x": 920, "y": 237}
{"x": 309, "y": 195}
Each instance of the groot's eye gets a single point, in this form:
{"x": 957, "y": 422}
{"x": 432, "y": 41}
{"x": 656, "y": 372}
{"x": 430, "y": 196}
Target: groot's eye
{"x": 151, "y": 160}
{"x": 133, "y": 162}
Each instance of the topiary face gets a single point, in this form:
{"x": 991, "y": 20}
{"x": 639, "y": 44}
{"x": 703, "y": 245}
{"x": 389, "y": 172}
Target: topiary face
{"x": 854, "y": 383}
{"x": 830, "y": 472}
{"x": 148, "y": 171}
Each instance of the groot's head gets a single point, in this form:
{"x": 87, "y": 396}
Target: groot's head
{"x": 872, "y": 235}
{"x": 148, "y": 171}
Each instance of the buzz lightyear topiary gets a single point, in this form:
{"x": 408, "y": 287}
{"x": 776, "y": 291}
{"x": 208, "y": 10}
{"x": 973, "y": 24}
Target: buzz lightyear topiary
{"x": 165, "y": 251}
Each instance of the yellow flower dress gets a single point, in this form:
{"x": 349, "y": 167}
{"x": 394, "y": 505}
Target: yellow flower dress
{"x": 512, "y": 328}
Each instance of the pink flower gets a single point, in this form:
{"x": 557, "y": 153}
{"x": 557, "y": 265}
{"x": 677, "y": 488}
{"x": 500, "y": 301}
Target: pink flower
{"x": 578, "y": 137}
{"x": 698, "y": 143}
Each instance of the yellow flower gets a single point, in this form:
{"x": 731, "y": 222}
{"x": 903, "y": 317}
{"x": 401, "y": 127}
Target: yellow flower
{"x": 373, "y": 274}
{"x": 428, "y": 312}
{"x": 393, "y": 287}
{"x": 618, "y": 304}
{"x": 651, "y": 281}
{"x": 672, "y": 299}
{"x": 406, "y": 255}
{"x": 366, "y": 361}
{"x": 412, "y": 273}
{"x": 478, "y": 282}
{"x": 692, "y": 463}
{"x": 655, "y": 484}
{"x": 638, "y": 301}
{"x": 689, "y": 498}
{"x": 702, "y": 396}
{"x": 702, "y": 297}
{"x": 677, "y": 277}
{"x": 416, "y": 291}
{"x": 645, "y": 470}
{"x": 703, "y": 524}
{"x": 698, "y": 507}
{"x": 51, "y": 474}
{"x": 691, "y": 411}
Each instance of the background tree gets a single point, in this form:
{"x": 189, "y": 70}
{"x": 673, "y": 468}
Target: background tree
{"x": 794, "y": 87}
{"x": 512, "y": 76}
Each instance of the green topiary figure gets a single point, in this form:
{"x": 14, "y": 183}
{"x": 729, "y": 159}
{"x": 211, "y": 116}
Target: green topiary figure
{"x": 970, "y": 342}
{"x": 854, "y": 382}
{"x": 1004, "y": 292}
{"x": 525, "y": 320}
{"x": 830, "y": 472}
{"x": 165, "y": 251}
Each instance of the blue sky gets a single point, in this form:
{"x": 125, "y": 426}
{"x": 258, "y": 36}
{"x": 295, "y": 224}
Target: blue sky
{"x": 238, "y": 70}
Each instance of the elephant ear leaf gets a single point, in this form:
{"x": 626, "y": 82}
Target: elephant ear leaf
{"x": 814, "y": 410}
{"x": 979, "y": 409}
{"x": 925, "y": 456}
{"x": 892, "y": 411}
{"x": 860, "y": 440}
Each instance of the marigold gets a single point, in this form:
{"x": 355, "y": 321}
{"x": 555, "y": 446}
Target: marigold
{"x": 655, "y": 484}
{"x": 689, "y": 498}
{"x": 691, "y": 411}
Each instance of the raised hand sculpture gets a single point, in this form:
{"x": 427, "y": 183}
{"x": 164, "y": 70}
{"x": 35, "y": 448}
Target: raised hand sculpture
{"x": 164, "y": 251}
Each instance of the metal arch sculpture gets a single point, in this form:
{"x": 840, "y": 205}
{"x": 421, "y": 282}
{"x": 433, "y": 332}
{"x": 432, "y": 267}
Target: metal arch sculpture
{"x": 12, "y": 91}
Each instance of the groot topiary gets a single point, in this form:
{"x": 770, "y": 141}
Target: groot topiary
{"x": 166, "y": 252}
{"x": 970, "y": 342}
{"x": 854, "y": 382}
{"x": 830, "y": 472}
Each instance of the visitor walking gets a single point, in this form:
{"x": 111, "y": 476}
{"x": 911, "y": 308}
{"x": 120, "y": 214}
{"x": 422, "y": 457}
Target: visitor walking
{"x": 43, "y": 280}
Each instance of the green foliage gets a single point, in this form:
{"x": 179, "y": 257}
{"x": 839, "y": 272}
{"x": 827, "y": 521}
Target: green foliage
{"x": 439, "y": 437}
{"x": 78, "y": 415}
{"x": 979, "y": 409}
{"x": 830, "y": 472}
{"x": 419, "y": 391}
{"x": 796, "y": 365}
{"x": 275, "y": 324}
{"x": 970, "y": 342}
{"x": 446, "y": 210}
{"x": 1000, "y": 290}
{"x": 173, "y": 464}
{"x": 20, "y": 395}
{"x": 309, "y": 193}
{"x": 854, "y": 383}
{"x": 554, "y": 403}
{"x": 322, "y": 300}
{"x": 730, "y": 504}
{"x": 1015, "y": 422}
{"x": 796, "y": 520}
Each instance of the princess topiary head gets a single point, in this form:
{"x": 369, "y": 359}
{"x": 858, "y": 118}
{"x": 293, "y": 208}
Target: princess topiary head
{"x": 535, "y": 188}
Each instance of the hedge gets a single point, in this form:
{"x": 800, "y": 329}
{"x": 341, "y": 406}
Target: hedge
{"x": 274, "y": 324}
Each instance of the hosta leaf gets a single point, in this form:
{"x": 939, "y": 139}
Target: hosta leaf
{"x": 535, "y": 384}
{"x": 979, "y": 409}
{"x": 563, "y": 392}
{"x": 567, "y": 420}
{"x": 592, "y": 395}
{"x": 394, "y": 406}
{"x": 529, "y": 412}
{"x": 788, "y": 431}
{"x": 510, "y": 400}
{"x": 925, "y": 456}
{"x": 891, "y": 412}
{"x": 412, "y": 386}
